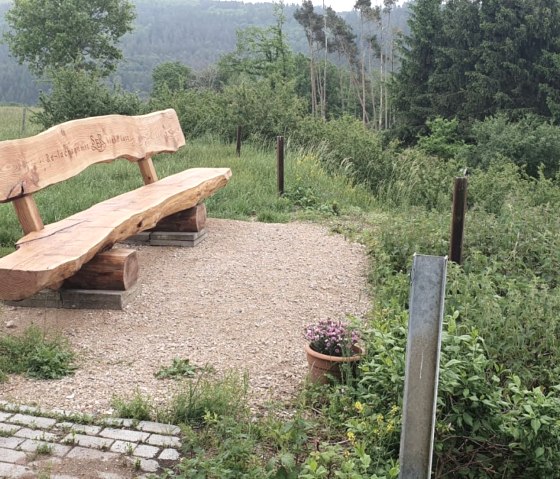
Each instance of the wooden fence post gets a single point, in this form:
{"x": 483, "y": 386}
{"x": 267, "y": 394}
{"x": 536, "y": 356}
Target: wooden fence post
{"x": 458, "y": 220}
{"x": 238, "y": 148}
{"x": 280, "y": 163}
{"x": 23, "y": 120}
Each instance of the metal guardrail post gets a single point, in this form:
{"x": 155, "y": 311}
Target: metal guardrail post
{"x": 427, "y": 294}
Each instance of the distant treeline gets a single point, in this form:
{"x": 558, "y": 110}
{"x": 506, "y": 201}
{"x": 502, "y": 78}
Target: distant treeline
{"x": 196, "y": 33}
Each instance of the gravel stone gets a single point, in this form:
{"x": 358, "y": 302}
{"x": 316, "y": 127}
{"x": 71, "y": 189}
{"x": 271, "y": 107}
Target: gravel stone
{"x": 237, "y": 301}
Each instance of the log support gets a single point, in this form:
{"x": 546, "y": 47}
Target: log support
{"x": 187, "y": 221}
{"x": 116, "y": 270}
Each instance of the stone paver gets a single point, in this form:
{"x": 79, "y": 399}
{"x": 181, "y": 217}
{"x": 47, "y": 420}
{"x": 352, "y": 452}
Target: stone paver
{"x": 37, "y": 434}
{"x": 123, "y": 447}
{"x": 58, "y": 450}
{"x": 165, "y": 441}
{"x": 147, "y": 452}
{"x": 169, "y": 455}
{"x": 149, "y": 465}
{"x": 5, "y": 415}
{"x": 81, "y": 428}
{"x": 124, "y": 434}
{"x": 11, "y": 442}
{"x": 88, "y": 441}
{"x": 33, "y": 421}
{"x": 11, "y": 428}
{"x": 13, "y": 471}
{"x": 12, "y": 456}
{"x": 26, "y": 431}
{"x": 158, "y": 428}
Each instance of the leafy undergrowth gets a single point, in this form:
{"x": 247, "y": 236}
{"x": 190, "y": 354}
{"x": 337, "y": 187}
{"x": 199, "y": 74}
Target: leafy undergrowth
{"x": 35, "y": 355}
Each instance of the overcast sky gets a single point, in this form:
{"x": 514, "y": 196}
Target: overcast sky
{"x": 336, "y": 5}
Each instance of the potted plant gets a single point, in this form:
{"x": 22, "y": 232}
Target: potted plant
{"x": 331, "y": 344}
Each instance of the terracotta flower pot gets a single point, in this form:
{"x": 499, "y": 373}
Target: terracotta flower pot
{"x": 322, "y": 366}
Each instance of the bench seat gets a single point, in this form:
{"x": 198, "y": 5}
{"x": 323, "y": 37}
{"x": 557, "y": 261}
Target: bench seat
{"x": 56, "y": 252}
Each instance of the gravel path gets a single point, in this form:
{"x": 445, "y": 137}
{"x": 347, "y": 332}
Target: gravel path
{"x": 239, "y": 300}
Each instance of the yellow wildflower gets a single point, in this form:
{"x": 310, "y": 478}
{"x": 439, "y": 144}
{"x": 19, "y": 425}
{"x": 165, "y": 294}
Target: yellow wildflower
{"x": 359, "y": 407}
{"x": 351, "y": 437}
{"x": 379, "y": 418}
{"x": 394, "y": 409}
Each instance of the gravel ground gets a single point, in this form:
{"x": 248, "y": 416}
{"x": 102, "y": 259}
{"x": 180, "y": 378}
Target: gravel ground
{"x": 239, "y": 300}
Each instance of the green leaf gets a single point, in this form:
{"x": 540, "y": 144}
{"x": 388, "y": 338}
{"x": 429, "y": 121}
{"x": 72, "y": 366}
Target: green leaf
{"x": 539, "y": 451}
{"x": 468, "y": 419}
{"x": 536, "y": 425}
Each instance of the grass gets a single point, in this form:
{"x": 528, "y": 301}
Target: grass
{"x": 250, "y": 195}
{"x": 12, "y": 125}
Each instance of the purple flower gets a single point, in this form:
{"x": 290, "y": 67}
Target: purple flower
{"x": 333, "y": 338}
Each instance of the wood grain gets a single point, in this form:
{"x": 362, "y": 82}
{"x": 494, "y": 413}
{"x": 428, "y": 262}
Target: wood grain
{"x": 30, "y": 164}
{"x": 60, "y": 249}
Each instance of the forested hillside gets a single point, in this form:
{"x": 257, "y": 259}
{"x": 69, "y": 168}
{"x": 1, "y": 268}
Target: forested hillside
{"x": 194, "y": 32}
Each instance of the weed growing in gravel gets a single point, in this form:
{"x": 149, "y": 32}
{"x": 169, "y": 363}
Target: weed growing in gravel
{"x": 206, "y": 397}
{"x": 44, "y": 449}
{"x": 179, "y": 368}
{"x": 35, "y": 355}
{"x": 139, "y": 407}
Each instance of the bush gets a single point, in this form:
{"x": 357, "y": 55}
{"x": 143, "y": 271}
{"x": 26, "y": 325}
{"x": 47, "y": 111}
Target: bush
{"x": 263, "y": 109}
{"x": 528, "y": 143}
{"x": 80, "y": 94}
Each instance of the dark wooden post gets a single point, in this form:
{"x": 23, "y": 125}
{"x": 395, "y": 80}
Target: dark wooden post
{"x": 23, "y": 120}
{"x": 458, "y": 219}
{"x": 238, "y": 149}
{"x": 280, "y": 163}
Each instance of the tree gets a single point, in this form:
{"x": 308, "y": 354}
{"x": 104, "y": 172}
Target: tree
{"x": 171, "y": 77}
{"x": 411, "y": 91}
{"x": 312, "y": 24}
{"x": 261, "y": 52}
{"x": 82, "y": 34}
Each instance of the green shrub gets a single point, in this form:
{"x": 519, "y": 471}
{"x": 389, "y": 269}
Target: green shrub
{"x": 528, "y": 143}
{"x": 443, "y": 139}
{"x": 81, "y": 94}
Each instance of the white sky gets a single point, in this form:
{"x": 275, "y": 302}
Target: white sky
{"x": 336, "y": 5}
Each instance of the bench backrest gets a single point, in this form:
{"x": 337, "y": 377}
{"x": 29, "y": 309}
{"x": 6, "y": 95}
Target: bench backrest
{"x": 61, "y": 152}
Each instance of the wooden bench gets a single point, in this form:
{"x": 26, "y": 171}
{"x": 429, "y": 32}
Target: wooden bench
{"x": 47, "y": 256}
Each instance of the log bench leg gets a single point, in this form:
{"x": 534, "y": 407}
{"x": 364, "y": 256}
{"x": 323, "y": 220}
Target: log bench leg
{"x": 186, "y": 228}
{"x": 108, "y": 281}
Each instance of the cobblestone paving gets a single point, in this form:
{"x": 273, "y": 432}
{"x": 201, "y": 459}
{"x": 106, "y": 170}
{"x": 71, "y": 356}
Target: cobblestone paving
{"x": 29, "y": 438}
